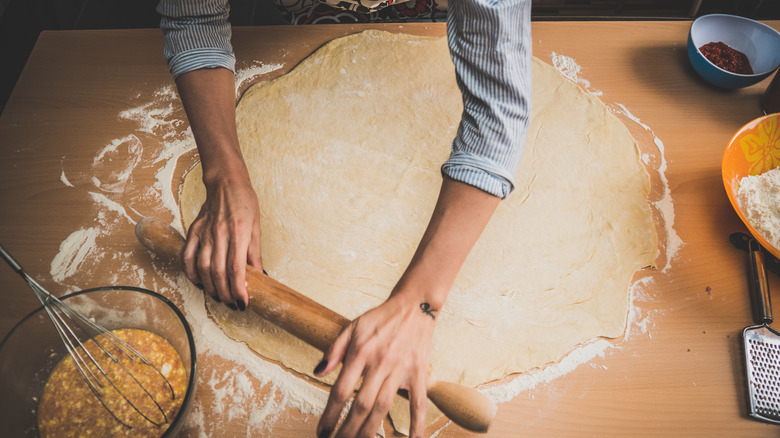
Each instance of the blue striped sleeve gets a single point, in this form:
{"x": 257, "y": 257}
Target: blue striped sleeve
{"x": 490, "y": 44}
{"x": 196, "y": 34}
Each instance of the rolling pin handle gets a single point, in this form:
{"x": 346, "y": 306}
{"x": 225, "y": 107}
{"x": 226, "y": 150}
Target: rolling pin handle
{"x": 465, "y": 406}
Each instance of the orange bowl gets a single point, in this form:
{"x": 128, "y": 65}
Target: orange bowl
{"x": 753, "y": 150}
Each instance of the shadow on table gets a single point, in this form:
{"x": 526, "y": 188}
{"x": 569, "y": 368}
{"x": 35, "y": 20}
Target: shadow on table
{"x": 667, "y": 70}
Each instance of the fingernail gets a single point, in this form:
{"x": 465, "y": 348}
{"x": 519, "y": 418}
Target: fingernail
{"x": 324, "y": 434}
{"x": 319, "y": 369}
{"x": 240, "y": 304}
{"x": 231, "y": 306}
{"x": 199, "y": 285}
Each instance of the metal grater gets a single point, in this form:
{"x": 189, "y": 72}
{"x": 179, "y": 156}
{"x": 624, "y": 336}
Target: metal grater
{"x": 762, "y": 346}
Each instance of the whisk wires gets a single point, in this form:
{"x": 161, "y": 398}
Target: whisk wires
{"x": 67, "y": 322}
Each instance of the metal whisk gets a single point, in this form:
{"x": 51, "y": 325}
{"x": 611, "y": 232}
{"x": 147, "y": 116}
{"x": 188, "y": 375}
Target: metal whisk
{"x": 72, "y": 326}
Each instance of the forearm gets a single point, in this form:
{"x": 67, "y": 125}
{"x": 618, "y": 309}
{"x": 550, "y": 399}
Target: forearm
{"x": 461, "y": 214}
{"x": 208, "y": 96}
{"x": 225, "y": 236}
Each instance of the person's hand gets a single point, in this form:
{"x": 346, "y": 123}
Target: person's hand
{"x": 223, "y": 239}
{"x": 389, "y": 347}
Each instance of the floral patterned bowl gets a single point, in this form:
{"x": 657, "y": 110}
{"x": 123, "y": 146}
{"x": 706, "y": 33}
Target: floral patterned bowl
{"x": 753, "y": 150}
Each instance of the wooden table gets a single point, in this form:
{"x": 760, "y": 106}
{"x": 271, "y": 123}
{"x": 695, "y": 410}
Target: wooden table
{"x": 679, "y": 372}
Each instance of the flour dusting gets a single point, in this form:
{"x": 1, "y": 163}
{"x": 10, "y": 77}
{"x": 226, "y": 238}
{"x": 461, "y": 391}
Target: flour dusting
{"x": 664, "y": 205}
{"x": 109, "y": 205}
{"x": 169, "y": 157}
{"x": 153, "y": 117}
{"x": 73, "y": 251}
{"x": 246, "y": 75}
{"x": 569, "y": 68}
{"x": 529, "y": 380}
{"x": 65, "y": 180}
{"x": 122, "y": 155}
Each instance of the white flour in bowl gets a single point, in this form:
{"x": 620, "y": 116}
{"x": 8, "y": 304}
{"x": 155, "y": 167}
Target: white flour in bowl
{"x": 759, "y": 200}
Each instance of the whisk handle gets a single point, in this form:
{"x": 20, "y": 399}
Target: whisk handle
{"x": 11, "y": 261}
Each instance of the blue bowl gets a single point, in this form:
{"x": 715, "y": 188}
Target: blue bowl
{"x": 759, "y": 42}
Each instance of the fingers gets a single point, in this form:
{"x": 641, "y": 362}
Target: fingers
{"x": 370, "y": 406}
{"x": 188, "y": 256}
{"x": 335, "y": 353}
{"x": 215, "y": 257}
{"x": 214, "y": 269}
{"x": 418, "y": 405}
{"x": 339, "y": 396}
{"x": 236, "y": 272}
{"x": 344, "y": 386}
{"x": 254, "y": 257}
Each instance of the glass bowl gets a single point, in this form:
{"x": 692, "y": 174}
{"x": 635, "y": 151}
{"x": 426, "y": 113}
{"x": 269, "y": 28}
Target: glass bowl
{"x": 31, "y": 351}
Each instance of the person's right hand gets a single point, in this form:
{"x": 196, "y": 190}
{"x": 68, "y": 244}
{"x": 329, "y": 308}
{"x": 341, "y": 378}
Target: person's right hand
{"x": 223, "y": 240}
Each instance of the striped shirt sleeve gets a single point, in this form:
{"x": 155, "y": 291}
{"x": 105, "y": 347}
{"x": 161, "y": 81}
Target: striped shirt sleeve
{"x": 196, "y": 34}
{"x": 490, "y": 44}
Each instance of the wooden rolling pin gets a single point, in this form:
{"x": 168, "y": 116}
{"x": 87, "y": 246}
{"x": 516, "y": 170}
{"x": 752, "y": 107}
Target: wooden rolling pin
{"x": 319, "y": 326}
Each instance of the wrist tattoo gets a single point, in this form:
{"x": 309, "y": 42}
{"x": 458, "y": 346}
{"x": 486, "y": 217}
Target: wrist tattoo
{"x": 426, "y": 308}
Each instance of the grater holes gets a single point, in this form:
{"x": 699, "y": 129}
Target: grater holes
{"x": 765, "y": 376}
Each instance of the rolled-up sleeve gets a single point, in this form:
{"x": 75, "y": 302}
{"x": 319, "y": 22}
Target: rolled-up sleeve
{"x": 490, "y": 44}
{"x": 196, "y": 34}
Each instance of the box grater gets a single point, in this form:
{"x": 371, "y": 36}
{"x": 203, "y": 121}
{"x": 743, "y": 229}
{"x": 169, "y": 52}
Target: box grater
{"x": 762, "y": 345}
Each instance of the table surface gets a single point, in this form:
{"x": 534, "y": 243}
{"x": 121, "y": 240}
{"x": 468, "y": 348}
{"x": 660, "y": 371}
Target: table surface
{"x": 678, "y": 371}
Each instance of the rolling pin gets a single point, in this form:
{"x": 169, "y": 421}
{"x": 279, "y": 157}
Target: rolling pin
{"x": 319, "y": 326}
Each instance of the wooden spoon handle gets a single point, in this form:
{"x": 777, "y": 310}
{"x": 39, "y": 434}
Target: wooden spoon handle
{"x": 319, "y": 326}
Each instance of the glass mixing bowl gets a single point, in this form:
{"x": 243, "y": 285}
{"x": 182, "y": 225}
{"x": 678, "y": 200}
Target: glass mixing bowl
{"x": 32, "y": 349}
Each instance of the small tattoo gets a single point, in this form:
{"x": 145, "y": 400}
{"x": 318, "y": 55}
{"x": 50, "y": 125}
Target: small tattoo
{"x": 426, "y": 308}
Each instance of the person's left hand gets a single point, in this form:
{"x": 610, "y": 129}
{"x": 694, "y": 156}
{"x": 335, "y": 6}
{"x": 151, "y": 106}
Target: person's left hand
{"x": 389, "y": 347}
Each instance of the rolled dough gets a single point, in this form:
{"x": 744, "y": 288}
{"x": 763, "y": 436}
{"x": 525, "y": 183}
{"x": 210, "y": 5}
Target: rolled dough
{"x": 345, "y": 154}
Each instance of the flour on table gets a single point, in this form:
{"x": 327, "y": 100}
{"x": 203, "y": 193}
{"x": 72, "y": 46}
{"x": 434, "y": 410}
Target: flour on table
{"x": 568, "y": 67}
{"x": 73, "y": 252}
{"x": 246, "y": 75}
{"x": 665, "y": 205}
{"x": 65, "y": 180}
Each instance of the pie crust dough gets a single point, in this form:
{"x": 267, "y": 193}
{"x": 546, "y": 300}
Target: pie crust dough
{"x": 345, "y": 154}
